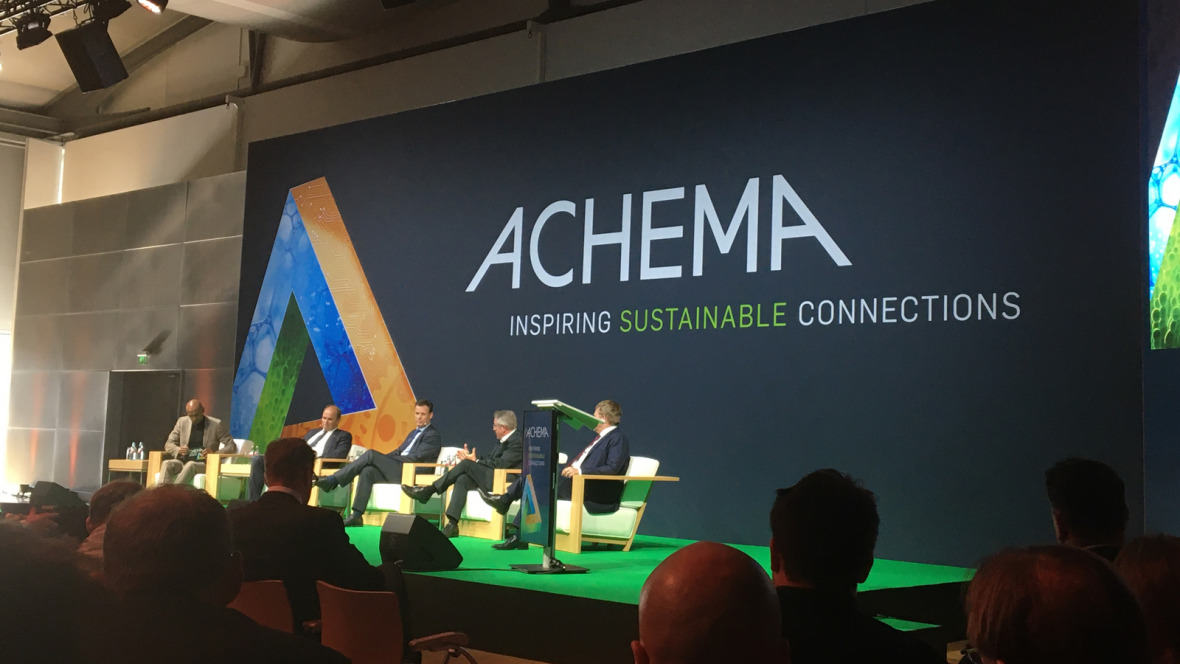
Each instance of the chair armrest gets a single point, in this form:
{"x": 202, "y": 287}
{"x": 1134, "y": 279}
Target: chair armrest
{"x": 410, "y": 471}
{"x": 440, "y": 641}
{"x": 642, "y": 478}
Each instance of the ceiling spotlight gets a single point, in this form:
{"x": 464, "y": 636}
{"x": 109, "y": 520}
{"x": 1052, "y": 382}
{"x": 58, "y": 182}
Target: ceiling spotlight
{"x": 105, "y": 10}
{"x": 32, "y": 29}
{"x": 154, "y": 6}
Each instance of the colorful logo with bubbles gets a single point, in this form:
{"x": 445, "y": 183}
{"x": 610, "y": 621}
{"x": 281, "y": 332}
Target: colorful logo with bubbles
{"x": 1163, "y": 243}
{"x": 315, "y": 292}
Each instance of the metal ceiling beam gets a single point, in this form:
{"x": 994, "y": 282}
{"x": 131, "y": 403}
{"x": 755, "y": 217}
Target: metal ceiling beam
{"x": 29, "y": 124}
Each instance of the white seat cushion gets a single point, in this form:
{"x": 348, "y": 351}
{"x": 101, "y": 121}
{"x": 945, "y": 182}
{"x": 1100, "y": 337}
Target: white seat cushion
{"x": 619, "y": 524}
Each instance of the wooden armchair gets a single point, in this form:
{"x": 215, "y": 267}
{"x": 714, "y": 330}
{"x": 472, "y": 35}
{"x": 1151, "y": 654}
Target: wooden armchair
{"x": 323, "y": 467}
{"x": 479, "y": 519}
{"x": 575, "y": 525}
{"x": 389, "y": 497}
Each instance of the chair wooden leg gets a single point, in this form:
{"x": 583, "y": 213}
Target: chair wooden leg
{"x": 638, "y": 518}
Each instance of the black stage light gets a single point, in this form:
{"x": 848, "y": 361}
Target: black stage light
{"x": 105, "y": 10}
{"x": 32, "y": 29}
{"x": 154, "y": 6}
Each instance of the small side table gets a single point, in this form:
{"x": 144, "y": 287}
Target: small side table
{"x": 128, "y": 466}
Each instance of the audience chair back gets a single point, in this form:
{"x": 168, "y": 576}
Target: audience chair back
{"x": 266, "y": 603}
{"x": 365, "y": 626}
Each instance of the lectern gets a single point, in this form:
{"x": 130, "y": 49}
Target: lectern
{"x": 540, "y": 475}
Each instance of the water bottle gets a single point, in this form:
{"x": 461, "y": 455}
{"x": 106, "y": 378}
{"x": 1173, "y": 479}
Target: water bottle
{"x": 130, "y": 453}
{"x": 139, "y": 454}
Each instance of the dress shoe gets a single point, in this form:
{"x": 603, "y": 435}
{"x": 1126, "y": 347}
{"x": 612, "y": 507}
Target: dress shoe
{"x": 354, "y": 520}
{"x": 418, "y": 493}
{"x": 326, "y": 483}
{"x": 513, "y": 542}
{"x": 450, "y": 530}
{"x": 496, "y": 501}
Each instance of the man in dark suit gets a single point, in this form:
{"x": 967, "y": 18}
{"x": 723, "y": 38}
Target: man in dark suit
{"x": 422, "y": 445}
{"x": 823, "y": 532}
{"x": 609, "y": 453}
{"x": 474, "y": 471}
{"x": 282, "y": 537}
{"x": 329, "y": 441}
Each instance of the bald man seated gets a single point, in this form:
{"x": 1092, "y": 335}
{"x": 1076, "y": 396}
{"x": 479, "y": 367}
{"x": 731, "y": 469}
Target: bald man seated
{"x": 192, "y": 439}
{"x": 708, "y": 603}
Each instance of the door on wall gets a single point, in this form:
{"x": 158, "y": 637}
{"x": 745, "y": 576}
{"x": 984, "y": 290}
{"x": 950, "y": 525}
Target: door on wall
{"x": 142, "y": 406}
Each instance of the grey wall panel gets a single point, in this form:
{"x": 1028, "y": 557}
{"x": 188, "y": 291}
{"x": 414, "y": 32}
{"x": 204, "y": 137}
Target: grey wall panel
{"x": 151, "y": 277}
{"x": 216, "y": 207}
{"x": 100, "y": 225}
{"x": 30, "y": 455}
{"x": 212, "y": 387}
{"x": 85, "y": 467}
{"x": 36, "y": 343}
{"x": 82, "y": 404}
{"x": 94, "y": 282}
{"x": 33, "y": 399}
{"x": 137, "y": 329}
{"x": 211, "y": 271}
{"x": 77, "y": 458}
{"x": 47, "y": 232}
{"x": 207, "y": 336}
{"x": 156, "y": 216}
{"x": 88, "y": 341}
{"x": 43, "y": 287}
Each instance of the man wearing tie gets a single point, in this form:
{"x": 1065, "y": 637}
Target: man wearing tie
{"x": 474, "y": 471}
{"x": 608, "y": 454}
{"x": 329, "y": 442}
{"x": 421, "y": 446}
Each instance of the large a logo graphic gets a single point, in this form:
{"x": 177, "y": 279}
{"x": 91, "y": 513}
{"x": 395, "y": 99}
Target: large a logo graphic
{"x": 315, "y": 292}
{"x": 1163, "y": 234}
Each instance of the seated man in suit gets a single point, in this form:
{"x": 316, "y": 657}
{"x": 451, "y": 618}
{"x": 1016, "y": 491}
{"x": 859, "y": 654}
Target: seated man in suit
{"x": 422, "y": 445}
{"x": 474, "y": 471}
{"x": 282, "y": 537}
{"x": 328, "y": 441}
{"x": 169, "y": 555}
{"x": 823, "y": 532}
{"x": 608, "y": 454}
{"x": 192, "y": 439}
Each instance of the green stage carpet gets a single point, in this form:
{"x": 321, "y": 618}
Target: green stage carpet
{"x": 617, "y": 576}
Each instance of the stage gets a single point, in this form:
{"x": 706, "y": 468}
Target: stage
{"x": 592, "y": 617}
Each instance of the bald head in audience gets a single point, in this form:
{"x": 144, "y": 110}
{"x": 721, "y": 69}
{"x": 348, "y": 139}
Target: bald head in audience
{"x": 709, "y": 603}
{"x": 1053, "y": 604}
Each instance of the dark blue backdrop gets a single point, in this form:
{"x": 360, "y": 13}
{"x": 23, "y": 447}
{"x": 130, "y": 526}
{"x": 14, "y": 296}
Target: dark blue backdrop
{"x": 967, "y": 147}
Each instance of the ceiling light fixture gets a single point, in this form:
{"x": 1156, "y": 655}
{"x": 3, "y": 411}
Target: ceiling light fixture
{"x": 105, "y": 10}
{"x": 32, "y": 29}
{"x": 154, "y": 6}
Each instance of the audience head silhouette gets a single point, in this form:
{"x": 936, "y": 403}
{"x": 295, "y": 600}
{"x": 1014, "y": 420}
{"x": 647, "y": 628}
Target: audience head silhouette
{"x": 1151, "y": 567}
{"x": 1089, "y": 504}
{"x": 823, "y": 532}
{"x": 709, "y": 603}
{"x": 290, "y": 463}
{"x": 1053, "y": 604}
{"x": 172, "y": 540}
{"x": 52, "y": 610}
{"x": 107, "y": 497}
